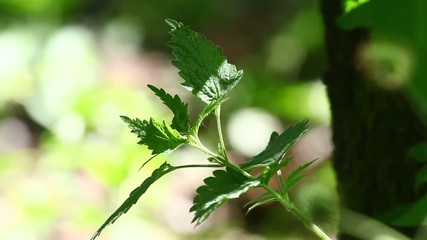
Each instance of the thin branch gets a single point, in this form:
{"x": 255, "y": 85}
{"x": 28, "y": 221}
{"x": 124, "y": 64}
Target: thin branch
{"x": 145, "y": 163}
{"x": 198, "y": 166}
{"x": 218, "y": 124}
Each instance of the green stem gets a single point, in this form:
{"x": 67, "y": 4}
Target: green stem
{"x": 300, "y": 215}
{"x": 221, "y": 138}
{"x": 198, "y": 166}
{"x": 196, "y": 143}
{"x": 281, "y": 180}
{"x": 206, "y": 111}
{"x": 221, "y": 142}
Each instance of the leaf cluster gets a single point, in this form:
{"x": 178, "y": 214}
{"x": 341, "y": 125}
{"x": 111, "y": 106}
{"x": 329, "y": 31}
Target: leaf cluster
{"x": 208, "y": 75}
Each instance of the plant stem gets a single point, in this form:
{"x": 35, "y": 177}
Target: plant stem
{"x": 281, "y": 180}
{"x": 194, "y": 130}
{"x": 195, "y": 142}
{"x": 198, "y": 166}
{"x": 218, "y": 124}
{"x": 300, "y": 215}
{"x": 224, "y": 162}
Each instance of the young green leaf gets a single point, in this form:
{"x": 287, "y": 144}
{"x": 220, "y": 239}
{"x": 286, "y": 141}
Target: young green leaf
{"x": 293, "y": 178}
{"x": 261, "y": 202}
{"x": 158, "y": 137}
{"x": 257, "y": 199}
{"x": 277, "y": 146}
{"x": 180, "y": 121}
{"x": 222, "y": 186}
{"x": 272, "y": 169}
{"x": 203, "y": 66}
{"x": 135, "y": 195}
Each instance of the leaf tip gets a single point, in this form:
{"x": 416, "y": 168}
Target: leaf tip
{"x": 156, "y": 90}
{"x": 125, "y": 118}
{"x": 173, "y": 23}
{"x": 151, "y": 87}
{"x": 97, "y": 233}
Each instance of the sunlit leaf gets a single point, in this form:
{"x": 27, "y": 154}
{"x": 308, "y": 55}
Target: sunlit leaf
{"x": 277, "y": 146}
{"x": 201, "y": 64}
{"x": 158, "y": 137}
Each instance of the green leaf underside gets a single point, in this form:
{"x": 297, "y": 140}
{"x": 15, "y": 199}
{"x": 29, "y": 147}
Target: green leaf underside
{"x": 222, "y": 186}
{"x": 293, "y": 178}
{"x": 277, "y": 146}
{"x": 201, "y": 64}
{"x": 135, "y": 195}
{"x": 158, "y": 137}
{"x": 180, "y": 121}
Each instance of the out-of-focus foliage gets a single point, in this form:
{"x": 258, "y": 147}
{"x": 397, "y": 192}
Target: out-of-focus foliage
{"x": 349, "y": 5}
{"x": 412, "y": 214}
{"x": 403, "y": 30}
{"x": 394, "y": 61}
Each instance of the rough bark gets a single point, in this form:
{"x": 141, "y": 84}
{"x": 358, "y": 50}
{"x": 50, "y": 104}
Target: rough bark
{"x": 372, "y": 127}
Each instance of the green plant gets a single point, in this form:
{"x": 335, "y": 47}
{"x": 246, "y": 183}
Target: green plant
{"x": 209, "y": 76}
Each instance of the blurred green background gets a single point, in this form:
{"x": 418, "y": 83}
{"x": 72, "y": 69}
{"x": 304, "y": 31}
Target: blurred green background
{"x": 70, "y": 68}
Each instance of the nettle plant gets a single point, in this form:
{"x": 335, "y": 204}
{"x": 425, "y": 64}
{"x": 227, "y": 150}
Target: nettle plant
{"x": 208, "y": 75}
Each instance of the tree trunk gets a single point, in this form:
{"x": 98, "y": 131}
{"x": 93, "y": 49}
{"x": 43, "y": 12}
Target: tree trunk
{"x": 372, "y": 127}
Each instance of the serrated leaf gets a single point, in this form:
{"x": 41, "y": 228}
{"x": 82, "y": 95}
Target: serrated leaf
{"x": 158, "y": 137}
{"x": 201, "y": 64}
{"x": 293, "y": 178}
{"x": 135, "y": 195}
{"x": 222, "y": 186}
{"x": 277, "y": 146}
{"x": 181, "y": 120}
